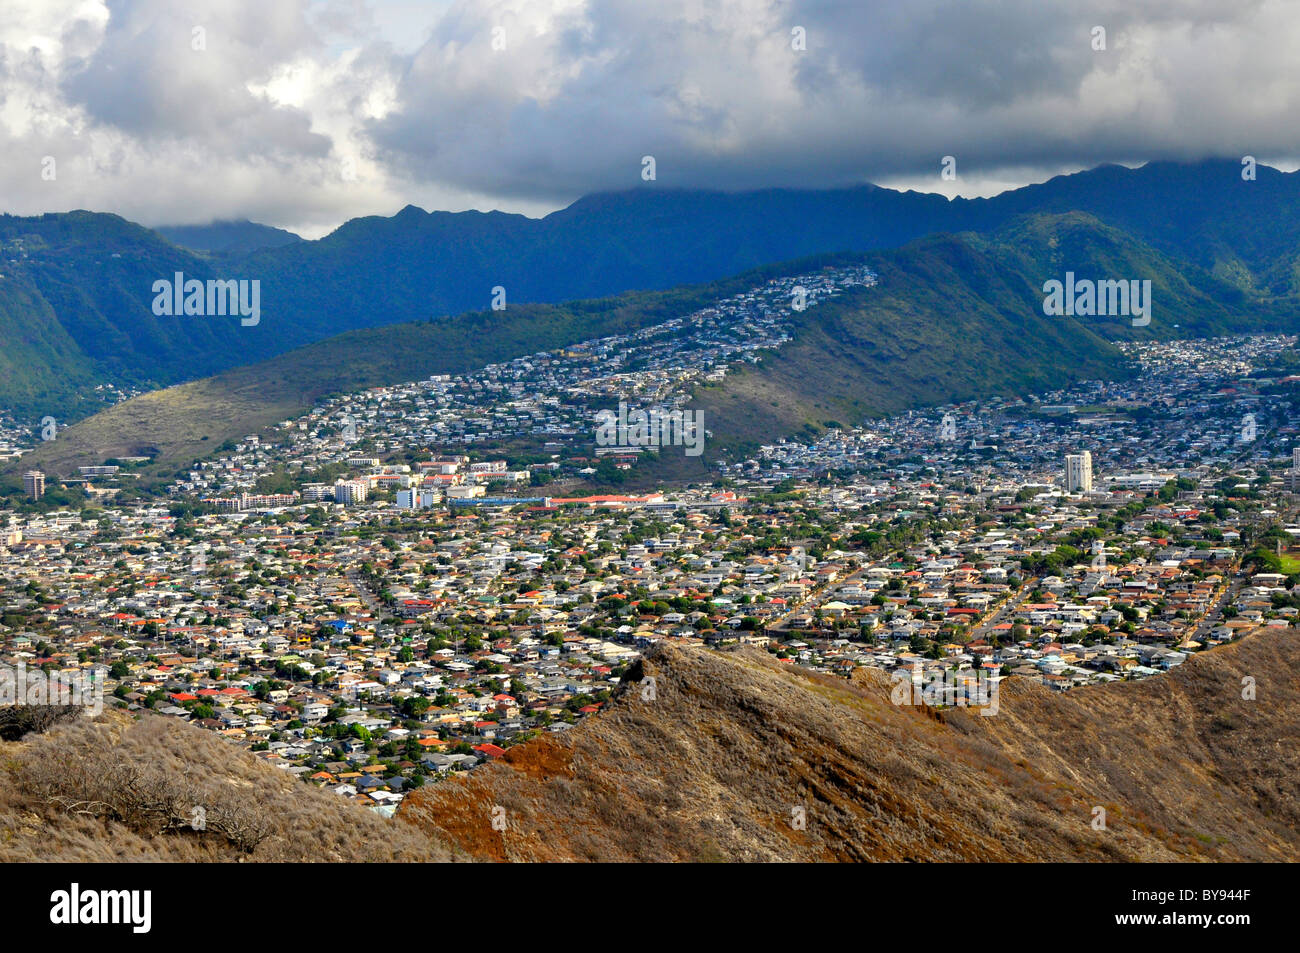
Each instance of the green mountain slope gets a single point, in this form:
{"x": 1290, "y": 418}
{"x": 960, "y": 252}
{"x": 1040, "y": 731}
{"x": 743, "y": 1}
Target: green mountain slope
{"x": 227, "y": 237}
{"x": 92, "y": 274}
{"x": 40, "y": 362}
{"x": 76, "y": 309}
{"x": 1238, "y": 229}
{"x": 957, "y": 317}
{"x": 954, "y": 317}
{"x": 185, "y": 422}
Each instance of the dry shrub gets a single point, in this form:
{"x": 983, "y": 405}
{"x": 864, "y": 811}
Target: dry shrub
{"x": 151, "y": 788}
{"x": 109, "y": 783}
{"x": 19, "y": 720}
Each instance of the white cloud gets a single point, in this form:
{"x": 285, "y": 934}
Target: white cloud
{"x": 303, "y": 113}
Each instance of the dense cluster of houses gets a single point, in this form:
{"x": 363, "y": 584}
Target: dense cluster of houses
{"x": 387, "y": 617}
{"x": 368, "y": 648}
{"x": 547, "y": 401}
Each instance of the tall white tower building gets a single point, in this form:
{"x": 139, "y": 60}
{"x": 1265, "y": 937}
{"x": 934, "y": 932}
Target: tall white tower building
{"x": 1078, "y": 472}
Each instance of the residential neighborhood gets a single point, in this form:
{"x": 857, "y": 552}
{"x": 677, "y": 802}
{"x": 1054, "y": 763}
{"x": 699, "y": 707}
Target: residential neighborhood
{"x": 373, "y": 601}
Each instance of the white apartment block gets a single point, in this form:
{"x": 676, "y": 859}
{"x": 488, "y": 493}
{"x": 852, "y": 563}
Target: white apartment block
{"x": 350, "y": 491}
{"x": 1078, "y": 472}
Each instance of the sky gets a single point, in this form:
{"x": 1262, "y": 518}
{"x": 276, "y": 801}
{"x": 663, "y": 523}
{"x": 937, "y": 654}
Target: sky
{"x": 305, "y": 113}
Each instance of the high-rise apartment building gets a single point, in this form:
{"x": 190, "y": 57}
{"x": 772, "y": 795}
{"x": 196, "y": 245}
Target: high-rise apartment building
{"x": 351, "y": 491}
{"x": 1078, "y": 472}
{"x": 34, "y": 484}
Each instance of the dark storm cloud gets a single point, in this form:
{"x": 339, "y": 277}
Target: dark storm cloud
{"x": 306, "y": 112}
{"x": 716, "y": 93}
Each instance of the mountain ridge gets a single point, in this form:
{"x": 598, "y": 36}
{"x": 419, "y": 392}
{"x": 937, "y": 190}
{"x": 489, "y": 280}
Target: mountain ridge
{"x": 87, "y": 276}
{"x": 227, "y": 236}
{"x": 712, "y": 762}
{"x": 953, "y": 318}
{"x": 709, "y": 755}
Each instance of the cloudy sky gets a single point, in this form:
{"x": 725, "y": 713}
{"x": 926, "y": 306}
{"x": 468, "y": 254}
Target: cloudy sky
{"x": 304, "y": 113}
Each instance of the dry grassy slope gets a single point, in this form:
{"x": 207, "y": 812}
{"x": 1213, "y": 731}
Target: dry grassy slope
{"x": 82, "y": 761}
{"x": 713, "y": 766}
{"x": 179, "y": 424}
